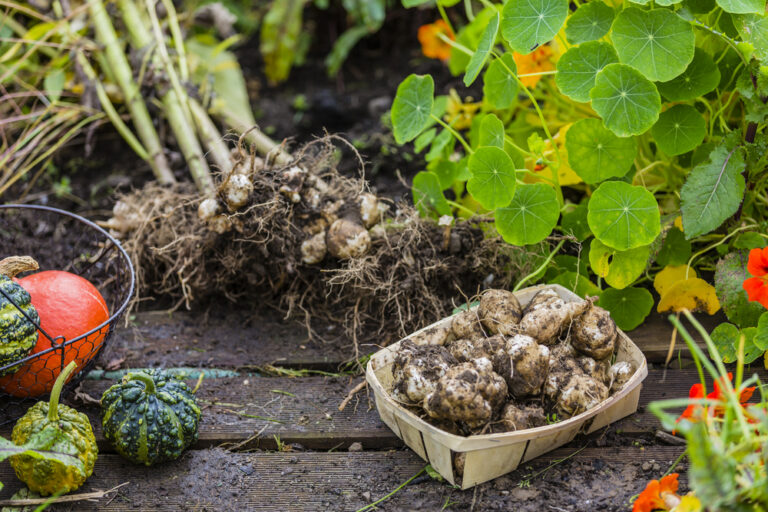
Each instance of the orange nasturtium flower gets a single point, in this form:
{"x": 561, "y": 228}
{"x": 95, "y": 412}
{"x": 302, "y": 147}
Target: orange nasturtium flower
{"x": 697, "y": 392}
{"x": 658, "y": 495}
{"x": 431, "y": 44}
{"x": 539, "y": 60}
{"x": 757, "y": 286}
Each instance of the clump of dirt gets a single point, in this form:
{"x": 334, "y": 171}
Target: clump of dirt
{"x": 400, "y": 273}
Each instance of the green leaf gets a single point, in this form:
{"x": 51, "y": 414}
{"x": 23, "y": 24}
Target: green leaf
{"x": 699, "y": 6}
{"x": 725, "y": 336}
{"x": 742, "y": 6}
{"x": 623, "y": 216}
{"x": 446, "y": 171}
{"x": 577, "y": 283}
{"x": 618, "y": 268}
{"x": 280, "y": 31}
{"x": 424, "y": 140}
{"x": 343, "y": 45}
{"x": 428, "y": 195}
{"x": 590, "y": 22}
{"x": 493, "y": 178}
{"x": 53, "y": 83}
{"x": 414, "y": 3}
{"x": 750, "y": 240}
{"x": 596, "y": 154}
{"x": 412, "y": 107}
{"x": 700, "y": 77}
{"x": 439, "y": 145}
{"x": 754, "y": 30}
{"x": 574, "y": 222}
{"x": 730, "y": 273}
{"x": 526, "y": 24}
{"x": 478, "y": 59}
{"x": 578, "y": 67}
{"x": 712, "y": 192}
{"x": 531, "y": 216}
{"x": 628, "y": 306}
{"x": 679, "y": 130}
{"x": 499, "y": 86}
{"x": 627, "y": 101}
{"x": 751, "y": 350}
{"x": 668, "y": 2}
{"x": 658, "y": 43}
{"x": 491, "y": 132}
{"x": 676, "y": 250}
{"x": 761, "y": 336}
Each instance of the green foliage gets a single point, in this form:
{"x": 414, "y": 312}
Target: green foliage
{"x": 428, "y": 195}
{"x": 493, "y": 178}
{"x": 628, "y": 306}
{"x": 526, "y": 24}
{"x": 675, "y": 250}
{"x": 412, "y": 107}
{"x": 618, "y": 268}
{"x": 589, "y": 23}
{"x": 477, "y": 61}
{"x": 499, "y": 85}
{"x": 280, "y": 31}
{"x": 596, "y": 154}
{"x": 700, "y": 77}
{"x": 626, "y": 100}
{"x": 623, "y": 216}
{"x": 578, "y": 67}
{"x": 730, "y": 273}
{"x": 679, "y": 130}
{"x": 530, "y": 217}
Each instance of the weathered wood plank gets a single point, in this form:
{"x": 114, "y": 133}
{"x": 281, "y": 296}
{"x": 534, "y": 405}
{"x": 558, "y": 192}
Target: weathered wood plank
{"x": 592, "y": 479}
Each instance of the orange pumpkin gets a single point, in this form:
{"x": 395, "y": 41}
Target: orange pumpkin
{"x": 69, "y": 306}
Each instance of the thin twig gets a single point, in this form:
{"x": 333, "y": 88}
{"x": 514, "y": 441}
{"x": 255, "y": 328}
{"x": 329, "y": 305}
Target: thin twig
{"x": 352, "y": 393}
{"x": 69, "y": 498}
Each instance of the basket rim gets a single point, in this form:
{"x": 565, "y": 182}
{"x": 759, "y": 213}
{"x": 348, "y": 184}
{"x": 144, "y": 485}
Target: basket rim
{"x": 124, "y": 255}
{"x": 518, "y": 435}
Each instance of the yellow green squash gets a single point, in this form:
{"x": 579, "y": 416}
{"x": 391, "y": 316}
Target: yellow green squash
{"x": 18, "y": 334}
{"x": 63, "y": 430}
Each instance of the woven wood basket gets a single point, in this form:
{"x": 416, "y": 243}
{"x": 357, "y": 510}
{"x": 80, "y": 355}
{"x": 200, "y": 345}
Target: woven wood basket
{"x": 492, "y": 455}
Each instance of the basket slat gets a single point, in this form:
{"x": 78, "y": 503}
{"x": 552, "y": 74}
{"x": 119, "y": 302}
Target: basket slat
{"x": 492, "y": 455}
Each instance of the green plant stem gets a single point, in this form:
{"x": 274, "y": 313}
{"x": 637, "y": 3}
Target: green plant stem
{"x": 53, "y": 402}
{"x": 118, "y": 63}
{"x": 460, "y": 207}
{"x": 252, "y": 135}
{"x": 453, "y": 132}
{"x": 209, "y": 134}
{"x": 444, "y": 16}
{"x": 509, "y": 140}
{"x": 399, "y": 487}
{"x": 709, "y": 248}
{"x": 541, "y": 267}
{"x": 144, "y": 378}
{"x": 178, "y": 39}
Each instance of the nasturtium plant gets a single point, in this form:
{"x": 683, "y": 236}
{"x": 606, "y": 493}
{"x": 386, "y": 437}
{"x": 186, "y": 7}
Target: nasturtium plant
{"x": 631, "y": 136}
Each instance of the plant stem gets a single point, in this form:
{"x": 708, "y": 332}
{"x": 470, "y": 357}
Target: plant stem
{"x": 144, "y": 378}
{"x": 118, "y": 63}
{"x": 453, "y": 132}
{"x": 53, "y": 402}
{"x": 541, "y": 267}
{"x": 263, "y": 144}
{"x": 217, "y": 149}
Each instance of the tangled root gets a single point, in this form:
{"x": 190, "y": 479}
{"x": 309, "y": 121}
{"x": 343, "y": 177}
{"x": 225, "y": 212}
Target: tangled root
{"x": 406, "y": 278}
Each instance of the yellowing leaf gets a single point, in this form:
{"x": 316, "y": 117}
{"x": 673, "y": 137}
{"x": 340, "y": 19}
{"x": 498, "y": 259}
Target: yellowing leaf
{"x": 689, "y": 503}
{"x": 693, "y": 294}
{"x": 679, "y": 223}
{"x": 671, "y": 274}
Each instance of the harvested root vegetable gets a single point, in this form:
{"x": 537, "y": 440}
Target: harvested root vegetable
{"x": 207, "y": 209}
{"x": 561, "y": 368}
{"x": 548, "y": 316}
{"x": 596, "y": 369}
{"x": 468, "y": 393}
{"x": 500, "y": 312}
{"x": 524, "y": 364}
{"x": 466, "y": 325}
{"x": 517, "y": 417}
{"x": 346, "y": 239}
{"x": 436, "y": 335}
{"x": 313, "y": 249}
{"x": 417, "y": 369}
{"x": 369, "y": 210}
{"x": 619, "y": 374}
{"x": 459, "y": 461}
{"x": 542, "y": 297}
{"x": 469, "y": 350}
{"x": 594, "y": 333}
{"x": 580, "y": 394}
{"x": 236, "y": 191}
{"x": 293, "y": 181}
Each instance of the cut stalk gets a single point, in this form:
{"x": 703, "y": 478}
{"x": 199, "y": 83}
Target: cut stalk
{"x": 175, "y": 103}
{"x": 217, "y": 149}
{"x": 118, "y": 63}
{"x": 263, "y": 144}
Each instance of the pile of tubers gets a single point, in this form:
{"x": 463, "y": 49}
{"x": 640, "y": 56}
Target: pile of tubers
{"x": 501, "y": 367}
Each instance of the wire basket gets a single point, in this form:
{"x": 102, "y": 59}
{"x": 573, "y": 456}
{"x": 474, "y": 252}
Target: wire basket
{"x": 60, "y": 240}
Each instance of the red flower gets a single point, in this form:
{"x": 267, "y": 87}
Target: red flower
{"x": 757, "y": 286}
{"x": 432, "y": 45}
{"x": 657, "y": 494}
{"x": 697, "y": 392}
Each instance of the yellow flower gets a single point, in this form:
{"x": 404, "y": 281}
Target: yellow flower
{"x": 538, "y": 61}
{"x": 458, "y": 113}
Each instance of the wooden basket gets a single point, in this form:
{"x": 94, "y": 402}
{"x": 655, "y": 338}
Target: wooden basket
{"x": 492, "y": 455}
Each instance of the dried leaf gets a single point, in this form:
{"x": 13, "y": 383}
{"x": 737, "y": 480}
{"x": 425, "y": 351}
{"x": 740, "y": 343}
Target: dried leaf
{"x": 693, "y": 294}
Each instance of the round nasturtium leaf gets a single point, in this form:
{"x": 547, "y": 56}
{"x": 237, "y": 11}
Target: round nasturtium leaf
{"x": 428, "y": 195}
{"x": 412, "y": 107}
{"x": 742, "y": 6}
{"x": 574, "y": 222}
{"x": 700, "y": 77}
{"x": 628, "y": 306}
{"x": 590, "y": 22}
{"x": 624, "y": 216}
{"x": 725, "y": 337}
{"x": 531, "y": 216}
{"x": 657, "y": 42}
{"x": 499, "y": 86}
{"x": 596, "y": 154}
{"x": 627, "y": 101}
{"x": 493, "y": 178}
{"x": 491, "y": 132}
{"x": 679, "y": 130}
{"x": 618, "y": 268}
{"x": 525, "y": 24}
{"x": 577, "y": 68}
{"x": 484, "y": 47}
{"x": 675, "y": 250}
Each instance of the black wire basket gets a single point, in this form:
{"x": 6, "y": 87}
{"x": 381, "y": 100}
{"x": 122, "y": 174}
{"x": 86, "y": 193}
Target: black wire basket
{"x": 60, "y": 240}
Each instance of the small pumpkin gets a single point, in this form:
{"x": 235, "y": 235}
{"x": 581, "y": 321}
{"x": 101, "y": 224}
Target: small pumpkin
{"x": 18, "y": 333}
{"x": 150, "y": 417}
{"x": 68, "y": 306}
{"x": 65, "y": 430}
